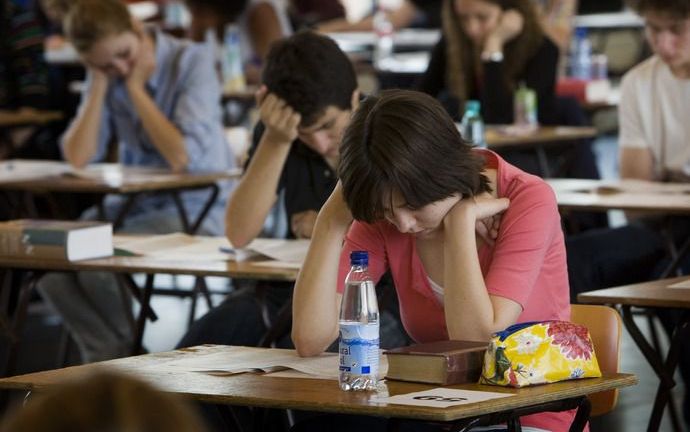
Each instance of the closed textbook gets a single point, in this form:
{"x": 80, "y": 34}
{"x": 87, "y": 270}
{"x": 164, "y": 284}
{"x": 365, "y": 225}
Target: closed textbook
{"x": 442, "y": 362}
{"x": 51, "y": 239}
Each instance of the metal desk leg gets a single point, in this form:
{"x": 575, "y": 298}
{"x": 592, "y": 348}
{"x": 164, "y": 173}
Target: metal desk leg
{"x": 663, "y": 369}
{"x": 675, "y": 263}
{"x": 126, "y": 207}
{"x": 184, "y": 218}
{"x": 141, "y": 320}
{"x": 584, "y": 409}
{"x": 543, "y": 161}
{"x": 25, "y": 291}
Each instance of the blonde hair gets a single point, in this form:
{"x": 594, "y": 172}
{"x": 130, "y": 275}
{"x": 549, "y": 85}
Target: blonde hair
{"x": 462, "y": 55}
{"x": 104, "y": 401}
{"x": 88, "y": 21}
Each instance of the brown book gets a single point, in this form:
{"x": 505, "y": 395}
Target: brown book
{"x": 442, "y": 362}
{"x": 52, "y": 239}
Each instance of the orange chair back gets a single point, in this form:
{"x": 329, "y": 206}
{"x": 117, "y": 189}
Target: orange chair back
{"x": 605, "y": 328}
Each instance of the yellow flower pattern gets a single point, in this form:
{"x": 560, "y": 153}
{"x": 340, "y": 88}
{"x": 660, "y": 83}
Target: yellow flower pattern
{"x": 539, "y": 353}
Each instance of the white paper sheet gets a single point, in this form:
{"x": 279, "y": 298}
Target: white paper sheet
{"x": 682, "y": 284}
{"x": 441, "y": 397}
{"x": 238, "y": 359}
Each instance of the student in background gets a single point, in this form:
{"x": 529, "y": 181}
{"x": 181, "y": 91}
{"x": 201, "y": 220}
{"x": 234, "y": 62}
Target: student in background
{"x": 653, "y": 140}
{"x": 410, "y": 13}
{"x": 158, "y": 97}
{"x": 308, "y": 13}
{"x": 416, "y": 192}
{"x": 308, "y": 94}
{"x": 260, "y": 23}
{"x": 104, "y": 402}
{"x": 557, "y": 20}
{"x": 654, "y": 130}
{"x": 487, "y": 49}
{"x": 23, "y": 72}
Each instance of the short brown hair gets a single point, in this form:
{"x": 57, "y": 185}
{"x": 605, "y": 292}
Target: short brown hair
{"x": 675, "y": 8}
{"x": 405, "y": 141}
{"x": 104, "y": 401}
{"x": 89, "y": 21}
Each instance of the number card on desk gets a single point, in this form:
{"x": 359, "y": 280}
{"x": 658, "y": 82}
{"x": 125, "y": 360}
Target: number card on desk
{"x": 442, "y": 397}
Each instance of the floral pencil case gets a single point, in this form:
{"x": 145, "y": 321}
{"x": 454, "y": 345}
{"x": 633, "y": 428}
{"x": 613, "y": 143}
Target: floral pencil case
{"x": 538, "y": 353}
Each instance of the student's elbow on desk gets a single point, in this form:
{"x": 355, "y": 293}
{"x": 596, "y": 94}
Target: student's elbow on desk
{"x": 237, "y": 239}
{"x": 178, "y": 163}
{"x": 308, "y": 343}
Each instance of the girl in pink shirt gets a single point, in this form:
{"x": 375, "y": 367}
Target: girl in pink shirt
{"x": 424, "y": 205}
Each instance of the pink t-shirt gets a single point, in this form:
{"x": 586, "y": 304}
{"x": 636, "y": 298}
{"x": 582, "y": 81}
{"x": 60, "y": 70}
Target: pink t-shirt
{"x": 527, "y": 264}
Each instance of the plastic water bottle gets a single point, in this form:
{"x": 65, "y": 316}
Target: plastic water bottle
{"x": 525, "y": 107}
{"x": 359, "y": 328}
{"x": 383, "y": 51}
{"x": 581, "y": 55}
{"x": 472, "y": 124}
{"x": 232, "y": 68}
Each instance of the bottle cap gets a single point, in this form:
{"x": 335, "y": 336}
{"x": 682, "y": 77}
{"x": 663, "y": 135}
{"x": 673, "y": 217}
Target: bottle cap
{"x": 359, "y": 258}
{"x": 472, "y": 106}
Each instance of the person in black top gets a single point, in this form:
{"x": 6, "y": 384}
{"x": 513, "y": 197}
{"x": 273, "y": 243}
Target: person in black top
{"x": 487, "y": 49}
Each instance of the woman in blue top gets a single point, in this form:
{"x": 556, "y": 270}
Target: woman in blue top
{"x": 158, "y": 97}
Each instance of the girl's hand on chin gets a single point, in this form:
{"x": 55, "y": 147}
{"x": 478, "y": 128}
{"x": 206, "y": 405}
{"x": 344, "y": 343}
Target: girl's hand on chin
{"x": 478, "y": 208}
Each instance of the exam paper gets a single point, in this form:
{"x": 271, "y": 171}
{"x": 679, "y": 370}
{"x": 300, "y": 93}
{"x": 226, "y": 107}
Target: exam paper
{"x": 682, "y": 284}
{"x": 276, "y": 362}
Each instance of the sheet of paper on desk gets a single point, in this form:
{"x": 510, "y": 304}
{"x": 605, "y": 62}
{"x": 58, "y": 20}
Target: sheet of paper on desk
{"x": 441, "y": 397}
{"x": 294, "y": 251}
{"x": 237, "y": 359}
{"x": 681, "y": 284}
{"x": 20, "y": 169}
{"x": 176, "y": 246}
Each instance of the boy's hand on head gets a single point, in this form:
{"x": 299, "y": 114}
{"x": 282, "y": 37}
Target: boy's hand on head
{"x": 145, "y": 62}
{"x": 280, "y": 119}
{"x": 302, "y": 223}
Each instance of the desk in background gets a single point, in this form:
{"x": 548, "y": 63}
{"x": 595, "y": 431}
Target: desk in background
{"x": 48, "y": 177}
{"x": 654, "y": 198}
{"x": 498, "y": 139}
{"x": 655, "y": 294}
{"x": 124, "y": 266}
{"x": 325, "y": 395}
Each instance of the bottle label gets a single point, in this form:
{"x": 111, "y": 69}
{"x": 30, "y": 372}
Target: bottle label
{"x": 359, "y": 348}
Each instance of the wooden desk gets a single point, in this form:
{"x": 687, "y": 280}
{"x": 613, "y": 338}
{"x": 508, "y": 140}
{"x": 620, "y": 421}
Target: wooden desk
{"x": 323, "y": 395}
{"x": 47, "y": 177}
{"x": 497, "y": 139}
{"x": 629, "y": 195}
{"x": 650, "y": 294}
{"x": 124, "y": 267}
{"x": 30, "y": 118}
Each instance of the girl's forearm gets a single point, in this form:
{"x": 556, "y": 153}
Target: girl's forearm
{"x": 316, "y": 303}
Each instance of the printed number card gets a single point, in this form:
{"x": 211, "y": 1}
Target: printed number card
{"x": 441, "y": 397}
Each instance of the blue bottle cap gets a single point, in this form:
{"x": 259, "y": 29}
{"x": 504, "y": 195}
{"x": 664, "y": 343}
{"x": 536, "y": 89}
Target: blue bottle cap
{"x": 472, "y": 106}
{"x": 359, "y": 258}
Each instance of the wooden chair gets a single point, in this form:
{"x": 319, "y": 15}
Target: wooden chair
{"x": 604, "y": 326}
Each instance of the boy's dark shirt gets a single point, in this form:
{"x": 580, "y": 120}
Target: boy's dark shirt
{"x": 307, "y": 179}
